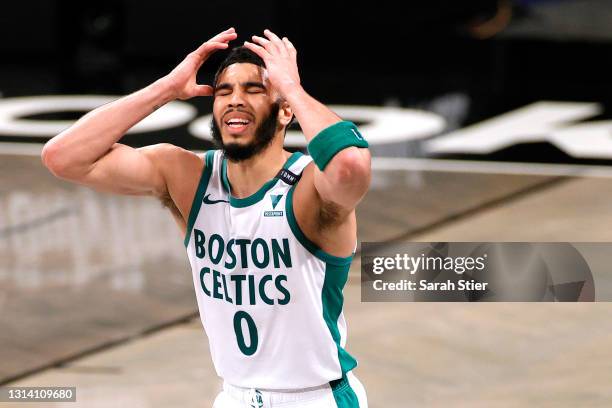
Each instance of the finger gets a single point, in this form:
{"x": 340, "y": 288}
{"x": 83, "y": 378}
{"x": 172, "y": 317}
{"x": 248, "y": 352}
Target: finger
{"x": 289, "y": 45}
{"x": 228, "y": 31}
{"x": 221, "y": 38}
{"x": 263, "y": 54}
{"x": 275, "y": 40}
{"x": 203, "y": 90}
{"x": 264, "y": 42}
{"x": 209, "y": 47}
{"x": 271, "y": 36}
{"x": 224, "y": 37}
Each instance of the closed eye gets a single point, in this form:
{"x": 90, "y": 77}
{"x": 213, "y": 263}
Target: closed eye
{"x": 223, "y": 89}
{"x": 254, "y": 87}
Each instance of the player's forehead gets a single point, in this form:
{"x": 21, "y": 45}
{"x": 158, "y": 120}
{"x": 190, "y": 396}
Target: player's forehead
{"x": 241, "y": 73}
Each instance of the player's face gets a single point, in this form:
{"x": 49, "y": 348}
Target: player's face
{"x": 243, "y": 102}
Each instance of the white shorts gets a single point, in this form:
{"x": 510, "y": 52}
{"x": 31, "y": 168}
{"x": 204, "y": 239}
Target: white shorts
{"x": 344, "y": 394}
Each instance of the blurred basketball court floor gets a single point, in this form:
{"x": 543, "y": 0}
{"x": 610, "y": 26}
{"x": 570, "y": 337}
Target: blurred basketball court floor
{"x": 96, "y": 292}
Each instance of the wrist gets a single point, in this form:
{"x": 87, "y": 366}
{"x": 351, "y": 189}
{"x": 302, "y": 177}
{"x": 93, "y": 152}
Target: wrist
{"x": 333, "y": 139}
{"x": 165, "y": 90}
{"x": 292, "y": 91}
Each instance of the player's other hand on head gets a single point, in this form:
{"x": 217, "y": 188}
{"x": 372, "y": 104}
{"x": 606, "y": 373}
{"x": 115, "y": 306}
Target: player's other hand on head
{"x": 280, "y": 57}
{"x": 182, "y": 79}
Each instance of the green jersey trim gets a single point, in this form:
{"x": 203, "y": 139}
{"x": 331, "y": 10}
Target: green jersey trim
{"x": 333, "y": 300}
{"x": 197, "y": 199}
{"x": 344, "y": 395}
{"x": 306, "y": 243}
{"x": 259, "y": 194}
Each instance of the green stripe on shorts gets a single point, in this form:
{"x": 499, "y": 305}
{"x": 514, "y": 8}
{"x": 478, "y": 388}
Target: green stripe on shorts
{"x": 344, "y": 395}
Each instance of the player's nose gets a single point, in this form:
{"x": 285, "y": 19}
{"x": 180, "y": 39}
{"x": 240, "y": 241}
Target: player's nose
{"x": 237, "y": 99}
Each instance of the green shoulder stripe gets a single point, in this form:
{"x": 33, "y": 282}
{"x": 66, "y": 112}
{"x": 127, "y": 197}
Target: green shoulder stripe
{"x": 197, "y": 199}
{"x": 306, "y": 243}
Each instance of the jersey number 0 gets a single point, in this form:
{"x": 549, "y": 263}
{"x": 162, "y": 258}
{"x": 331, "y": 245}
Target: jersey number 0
{"x": 250, "y": 349}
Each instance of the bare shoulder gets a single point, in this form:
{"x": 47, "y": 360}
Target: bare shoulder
{"x": 181, "y": 169}
{"x": 173, "y": 161}
{"x": 167, "y": 154}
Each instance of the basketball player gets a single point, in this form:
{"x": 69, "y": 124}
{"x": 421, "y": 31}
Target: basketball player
{"x": 269, "y": 234}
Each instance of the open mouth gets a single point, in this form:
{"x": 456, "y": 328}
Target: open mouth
{"x": 236, "y": 122}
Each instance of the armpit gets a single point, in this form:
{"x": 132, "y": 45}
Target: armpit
{"x": 330, "y": 214}
{"x": 167, "y": 202}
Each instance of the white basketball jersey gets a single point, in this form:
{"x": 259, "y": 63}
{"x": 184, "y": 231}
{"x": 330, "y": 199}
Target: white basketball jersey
{"x": 270, "y": 300}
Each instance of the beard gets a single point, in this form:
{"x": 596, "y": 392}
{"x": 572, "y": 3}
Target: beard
{"x": 264, "y": 134}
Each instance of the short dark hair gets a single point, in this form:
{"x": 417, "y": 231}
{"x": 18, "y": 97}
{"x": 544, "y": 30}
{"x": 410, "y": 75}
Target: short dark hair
{"x": 236, "y": 56}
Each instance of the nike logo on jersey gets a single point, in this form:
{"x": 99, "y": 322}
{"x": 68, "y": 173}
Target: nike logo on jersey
{"x": 207, "y": 200}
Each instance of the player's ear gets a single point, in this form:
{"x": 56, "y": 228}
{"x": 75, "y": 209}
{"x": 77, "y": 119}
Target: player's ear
{"x": 285, "y": 113}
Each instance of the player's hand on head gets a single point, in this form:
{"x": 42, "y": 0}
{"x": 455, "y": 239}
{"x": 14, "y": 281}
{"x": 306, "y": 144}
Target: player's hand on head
{"x": 280, "y": 57}
{"x": 182, "y": 79}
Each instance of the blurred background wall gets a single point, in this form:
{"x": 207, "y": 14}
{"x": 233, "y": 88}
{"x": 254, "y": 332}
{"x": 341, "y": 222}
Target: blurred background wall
{"x": 466, "y": 61}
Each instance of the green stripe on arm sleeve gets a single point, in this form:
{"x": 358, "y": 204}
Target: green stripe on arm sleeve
{"x": 197, "y": 199}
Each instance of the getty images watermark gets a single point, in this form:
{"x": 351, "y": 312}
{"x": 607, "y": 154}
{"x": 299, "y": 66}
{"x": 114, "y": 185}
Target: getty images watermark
{"x": 493, "y": 272}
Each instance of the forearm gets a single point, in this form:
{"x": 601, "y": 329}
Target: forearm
{"x": 78, "y": 147}
{"x": 345, "y": 178}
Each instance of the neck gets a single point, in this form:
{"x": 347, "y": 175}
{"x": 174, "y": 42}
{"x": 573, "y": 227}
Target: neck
{"x": 247, "y": 176}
